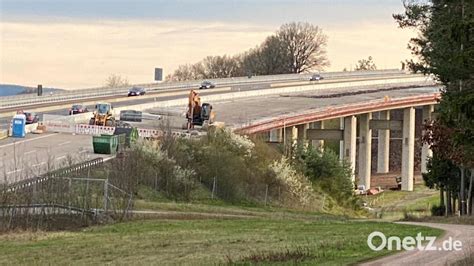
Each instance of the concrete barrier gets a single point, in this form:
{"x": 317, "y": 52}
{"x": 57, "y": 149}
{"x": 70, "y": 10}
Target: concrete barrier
{"x": 59, "y": 126}
{"x": 31, "y": 127}
{"x": 3, "y": 134}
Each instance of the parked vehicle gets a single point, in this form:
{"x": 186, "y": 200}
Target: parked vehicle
{"x": 78, "y": 109}
{"x": 316, "y": 77}
{"x": 31, "y": 117}
{"x": 207, "y": 85}
{"x": 136, "y": 91}
{"x": 131, "y": 115}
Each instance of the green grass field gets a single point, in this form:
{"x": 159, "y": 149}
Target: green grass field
{"x": 323, "y": 239}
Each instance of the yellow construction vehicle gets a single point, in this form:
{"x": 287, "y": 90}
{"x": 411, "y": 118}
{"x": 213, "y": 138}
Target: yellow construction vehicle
{"x": 103, "y": 115}
{"x": 198, "y": 114}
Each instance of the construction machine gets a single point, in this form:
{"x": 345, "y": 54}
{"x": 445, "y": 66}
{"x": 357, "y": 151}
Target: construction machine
{"x": 103, "y": 115}
{"x": 198, "y": 114}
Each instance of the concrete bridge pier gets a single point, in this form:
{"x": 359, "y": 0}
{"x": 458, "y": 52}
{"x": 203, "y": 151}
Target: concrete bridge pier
{"x": 319, "y": 143}
{"x": 349, "y": 142}
{"x": 302, "y": 136}
{"x": 383, "y": 145}
{"x": 408, "y": 148}
{"x": 365, "y": 149}
{"x": 276, "y": 135}
{"x": 290, "y": 135}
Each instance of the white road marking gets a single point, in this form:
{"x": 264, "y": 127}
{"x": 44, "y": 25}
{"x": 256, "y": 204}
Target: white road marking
{"x": 28, "y": 152}
{"x": 64, "y": 143}
{"x": 61, "y": 157}
{"x": 28, "y": 140}
{"x": 11, "y": 172}
{"x": 38, "y": 164}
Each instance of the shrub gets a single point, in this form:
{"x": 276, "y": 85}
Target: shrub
{"x": 326, "y": 170}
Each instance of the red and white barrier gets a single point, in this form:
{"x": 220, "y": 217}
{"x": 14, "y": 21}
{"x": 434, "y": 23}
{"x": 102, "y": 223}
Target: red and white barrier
{"x": 93, "y": 130}
{"x": 149, "y": 133}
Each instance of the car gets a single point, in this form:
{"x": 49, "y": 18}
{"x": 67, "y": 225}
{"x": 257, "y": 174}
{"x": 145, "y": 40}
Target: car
{"x": 131, "y": 115}
{"x": 207, "y": 85}
{"x": 316, "y": 77}
{"x": 136, "y": 91}
{"x": 78, "y": 109}
{"x": 31, "y": 117}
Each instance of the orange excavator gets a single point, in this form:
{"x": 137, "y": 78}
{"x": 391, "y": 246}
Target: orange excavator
{"x": 198, "y": 114}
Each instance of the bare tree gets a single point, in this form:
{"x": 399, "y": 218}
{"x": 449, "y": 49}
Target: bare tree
{"x": 295, "y": 48}
{"x": 220, "y": 66}
{"x": 366, "y": 64}
{"x": 304, "y": 45}
{"x": 115, "y": 80}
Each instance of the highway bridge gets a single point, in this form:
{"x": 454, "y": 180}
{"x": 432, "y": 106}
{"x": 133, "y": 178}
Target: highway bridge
{"x": 283, "y": 109}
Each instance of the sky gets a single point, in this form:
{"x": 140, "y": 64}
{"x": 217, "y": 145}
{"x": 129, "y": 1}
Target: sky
{"x": 79, "y": 43}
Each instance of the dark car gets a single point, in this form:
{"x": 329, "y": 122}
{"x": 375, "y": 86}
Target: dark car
{"x": 316, "y": 77}
{"x": 78, "y": 109}
{"x": 207, "y": 85}
{"x": 136, "y": 91}
{"x": 31, "y": 117}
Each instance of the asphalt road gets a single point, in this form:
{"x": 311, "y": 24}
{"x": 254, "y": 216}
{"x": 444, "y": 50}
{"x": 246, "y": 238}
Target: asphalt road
{"x": 117, "y": 101}
{"x": 235, "y": 113}
{"x": 36, "y": 154}
{"x": 463, "y": 233}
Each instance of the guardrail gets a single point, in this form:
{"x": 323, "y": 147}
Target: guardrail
{"x": 57, "y": 173}
{"x": 85, "y": 94}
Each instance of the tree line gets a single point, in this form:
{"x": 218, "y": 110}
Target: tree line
{"x": 444, "y": 48}
{"x": 295, "y": 47}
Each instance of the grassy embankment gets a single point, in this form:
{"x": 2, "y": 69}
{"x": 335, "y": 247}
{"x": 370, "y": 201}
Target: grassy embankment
{"x": 266, "y": 238}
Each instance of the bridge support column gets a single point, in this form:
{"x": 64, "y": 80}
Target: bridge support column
{"x": 341, "y": 142}
{"x": 408, "y": 148}
{"x": 317, "y": 144}
{"x": 275, "y": 135}
{"x": 302, "y": 136}
{"x": 383, "y": 145}
{"x": 426, "y": 152}
{"x": 350, "y": 137}
{"x": 365, "y": 150}
{"x": 291, "y": 135}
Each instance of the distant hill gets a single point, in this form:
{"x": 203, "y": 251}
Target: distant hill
{"x": 9, "y": 89}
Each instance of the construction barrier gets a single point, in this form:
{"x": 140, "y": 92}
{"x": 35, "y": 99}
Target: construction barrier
{"x": 59, "y": 126}
{"x": 149, "y": 133}
{"x": 93, "y": 130}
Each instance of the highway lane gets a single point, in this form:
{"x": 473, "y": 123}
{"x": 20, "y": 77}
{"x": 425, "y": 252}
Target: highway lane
{"x": 95, "y": 93}
{"x": 177, "y": 93}
{"x": 37, "y": 154}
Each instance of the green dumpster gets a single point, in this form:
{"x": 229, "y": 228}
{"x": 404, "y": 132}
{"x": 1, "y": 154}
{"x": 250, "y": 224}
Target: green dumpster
{"x": 105, "y": 144}
{"x": 131, "y": 135}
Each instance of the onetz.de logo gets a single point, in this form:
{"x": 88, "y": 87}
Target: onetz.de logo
{"x": 419, "y": 242}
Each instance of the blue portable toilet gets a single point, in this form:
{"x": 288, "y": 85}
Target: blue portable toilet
{"x": 18, "y": 126}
